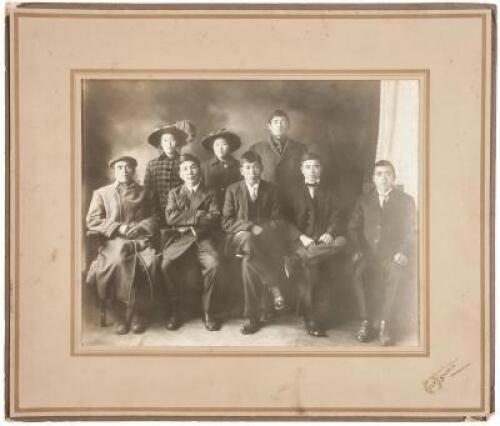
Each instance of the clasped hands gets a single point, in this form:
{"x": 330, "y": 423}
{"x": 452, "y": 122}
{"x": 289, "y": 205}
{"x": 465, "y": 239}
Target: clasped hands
{"x": 130, "y": 231}
{"x": 326, "y": 238}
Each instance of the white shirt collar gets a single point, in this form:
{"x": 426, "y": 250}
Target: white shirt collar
{"x": 385, "y": 194}
{"x": 382, "y": 198}
{"x": 255, "y": 186}
{"x": 193, "y": 188}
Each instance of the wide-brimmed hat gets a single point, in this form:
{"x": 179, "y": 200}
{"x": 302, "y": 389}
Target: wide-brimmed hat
{"x": 179, "y": 135}
{"x": 232, "y": 139}
{"x": 128, "y": 158}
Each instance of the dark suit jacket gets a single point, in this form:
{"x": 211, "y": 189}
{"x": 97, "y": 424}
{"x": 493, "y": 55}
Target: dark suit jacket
{"x": 197, "y": 214}
{"x": 311, "y": 221}
{"x": 235, "y": 214}
{"x": 283, "y": 170}
{"x": 383, "y": 231}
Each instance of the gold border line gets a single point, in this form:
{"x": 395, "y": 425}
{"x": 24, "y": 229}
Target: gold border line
{"x": 251, "y": 15}
{"x": 17, "y": 202}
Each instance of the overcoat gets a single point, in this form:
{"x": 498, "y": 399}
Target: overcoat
{"x": 190, "y": 217}
{"x": 114, "y": 268}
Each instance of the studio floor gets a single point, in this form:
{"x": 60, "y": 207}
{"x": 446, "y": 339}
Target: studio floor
{"x": 285, "y": 330}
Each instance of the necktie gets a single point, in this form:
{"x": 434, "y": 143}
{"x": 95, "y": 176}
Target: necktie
{"x": 253, "y": 192}
{"x": 312, "y": 190}
{"x": 279, "y": 146}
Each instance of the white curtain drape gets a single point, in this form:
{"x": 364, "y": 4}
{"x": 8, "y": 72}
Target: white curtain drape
{"x": 398, "y": 133}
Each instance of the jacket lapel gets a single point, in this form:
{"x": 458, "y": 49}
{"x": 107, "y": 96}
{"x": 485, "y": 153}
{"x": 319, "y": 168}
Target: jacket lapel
{"x": 273, "y": 148}
{"x": 184, "y": 197}
{"x": 243, "y": 196}
{"x": 311, "y": 213}
{"x": 198, "y": 197}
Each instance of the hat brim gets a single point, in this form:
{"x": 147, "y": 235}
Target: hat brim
{"x": 179, "y": 135}
{"x": 232, "y": 139}
{"x": 131, "y": 160}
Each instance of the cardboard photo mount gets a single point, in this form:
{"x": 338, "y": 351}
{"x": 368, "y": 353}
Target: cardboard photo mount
{"x": 450, "y": 49}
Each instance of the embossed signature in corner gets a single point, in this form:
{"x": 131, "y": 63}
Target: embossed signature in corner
{"x": 435, "y": 381}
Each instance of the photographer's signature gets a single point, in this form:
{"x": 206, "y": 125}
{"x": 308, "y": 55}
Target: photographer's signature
{"x": 435, "y": 382}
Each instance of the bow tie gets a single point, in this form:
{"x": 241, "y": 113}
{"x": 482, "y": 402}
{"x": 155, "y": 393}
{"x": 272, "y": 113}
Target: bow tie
{"x": 312, "y": 184}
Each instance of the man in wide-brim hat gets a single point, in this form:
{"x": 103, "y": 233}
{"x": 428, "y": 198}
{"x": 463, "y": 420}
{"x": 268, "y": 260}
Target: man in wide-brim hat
{"x": 162, "y": 173}
{"x": 222, "y": 169}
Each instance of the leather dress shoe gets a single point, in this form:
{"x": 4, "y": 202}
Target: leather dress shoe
{"x": 123, "y": 328}
{"x": 364, "y": 333}
{"x": 138, "y": 325}
{"x": 314, "y": 329}
{"x": 249, "y": 326}
{"x": 211, "y": 324}
{"x": 174, "y": 322}
{"x": 384, "y": 334}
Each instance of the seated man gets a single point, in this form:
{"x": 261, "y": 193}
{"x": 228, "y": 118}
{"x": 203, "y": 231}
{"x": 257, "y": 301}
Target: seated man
{"x": 124, "y": 268}
{"x": 317, "y": 238}
{"x": 192, "y": 213}
{"x": 251, "y": 217}
{"x": 382, "y": 230}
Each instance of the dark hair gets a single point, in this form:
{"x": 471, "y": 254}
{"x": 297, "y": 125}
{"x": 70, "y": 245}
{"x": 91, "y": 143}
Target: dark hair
{"x": 310, "y": 156}
{"x": 250, "y": 157}
{"x": 189, "y": 157}
{"x": 385, "y": 163}
{"x": 279, "y": 113}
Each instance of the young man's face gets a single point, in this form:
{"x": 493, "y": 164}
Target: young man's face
{"x": 221, "y": 148}
{"x": 311, "y": 170}
{"x": 124, "y": 171}
{"x": 189, "y": 171}
{"x": 168, "y": 144}
{"x": 251, "y": 172}
{"x": 383, "y": 178}
{"x": 278, "y": 127}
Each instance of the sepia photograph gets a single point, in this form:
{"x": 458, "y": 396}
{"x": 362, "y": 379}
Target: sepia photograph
{"x": 250, "y": 211}
{"x": 279, "y": 213}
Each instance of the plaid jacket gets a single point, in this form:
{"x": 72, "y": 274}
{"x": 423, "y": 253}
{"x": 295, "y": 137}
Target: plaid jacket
{"x": 162, "y": 174}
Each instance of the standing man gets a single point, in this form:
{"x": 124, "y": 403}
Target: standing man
{"x": 382, "y": 230}
{"x": 251, "y": 218}
{"x": 317, "y": 238}
{"x": 192, "y": 213}
{"x": 280, "y": 158}
{"x": 120, "y": 214}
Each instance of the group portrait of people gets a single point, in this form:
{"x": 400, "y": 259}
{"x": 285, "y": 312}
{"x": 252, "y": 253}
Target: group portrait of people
{"x": 269, "y": 215}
